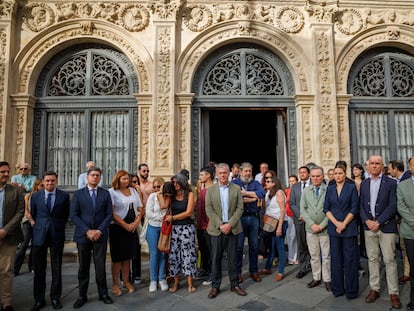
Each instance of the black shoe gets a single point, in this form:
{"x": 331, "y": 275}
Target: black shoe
{"x": 314, "y": 283}
{"x": 56, "y": 304}
{"x": 37, "y": 306}
{"x": 410, "y": 306}
{"x": 328, "y": 286}
{"x": 8, "y": 308}
{"x": 106, "y": 299}
{"x": 300, "y": 274}
{"x": 79, "y": 302}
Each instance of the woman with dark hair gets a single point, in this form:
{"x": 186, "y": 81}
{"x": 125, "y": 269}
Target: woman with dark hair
{"x": 357, "y": 175}
{"x": 183, "y": 253}
{"x": 276, "y": 208}
{"x": 341, "y": 207}
{"x": 127, "y": 213}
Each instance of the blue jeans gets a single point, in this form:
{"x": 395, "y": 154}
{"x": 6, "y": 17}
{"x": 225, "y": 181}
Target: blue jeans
{"x": 250, "y": 226}
{"x": 278, "y": 242}
{"x": 157, "y": 258}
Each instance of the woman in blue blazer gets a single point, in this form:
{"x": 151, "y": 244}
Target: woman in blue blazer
{"x": 341, "y": 206}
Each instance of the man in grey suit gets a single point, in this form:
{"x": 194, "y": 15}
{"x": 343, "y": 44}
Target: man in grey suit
{"x": 224, "y": 207}
{"x": 295, "y": 195}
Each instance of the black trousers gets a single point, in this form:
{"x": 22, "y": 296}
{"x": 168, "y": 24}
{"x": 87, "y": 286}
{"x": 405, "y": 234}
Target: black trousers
{"x": 204, "y": 246}
{"x": 85, "y": 252}
{"x": 409, "y": 246}
{"x": 303, "y": 252}
{"x": 219, "y": 244}
{"x": 21, "y": 252}
{"x": 40, "y": 264}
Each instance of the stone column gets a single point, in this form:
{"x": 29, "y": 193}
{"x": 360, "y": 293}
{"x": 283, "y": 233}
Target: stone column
{"x": 325, "y": 117}
{"x": 343, "y": 128}
{"x": 166, "y": 130}
{"x": 23, "y": 106}
{"x": 7, "y": 18}
{"x": 145, "y": 137}
{"x": 183, "y": 103}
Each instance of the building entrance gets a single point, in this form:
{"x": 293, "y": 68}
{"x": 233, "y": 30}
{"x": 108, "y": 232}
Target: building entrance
{"x": 254, "y": 136}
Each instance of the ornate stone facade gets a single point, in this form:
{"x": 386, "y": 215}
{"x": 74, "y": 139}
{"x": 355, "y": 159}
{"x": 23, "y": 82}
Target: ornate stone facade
{"x": 167, "y": 40}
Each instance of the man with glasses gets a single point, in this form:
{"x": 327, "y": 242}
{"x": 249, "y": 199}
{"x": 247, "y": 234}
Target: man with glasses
{"x": 11, "y": 213}
{"x": 24, "y": 180}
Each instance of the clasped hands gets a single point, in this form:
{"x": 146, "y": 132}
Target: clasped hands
{"x": 372, "y": 225}
{"x": 93, "y": 235}
{"x": 225, "y": 228}
{"x": 316, "y": 228}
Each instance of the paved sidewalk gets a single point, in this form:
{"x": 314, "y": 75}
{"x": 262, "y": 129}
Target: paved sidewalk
{"x": 289, "y": 294}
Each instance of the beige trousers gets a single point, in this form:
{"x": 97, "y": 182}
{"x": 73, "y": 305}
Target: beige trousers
{"x": 7, "y": 254}
{"x": 377, "y": 244}
{"x": 319, "y": 245}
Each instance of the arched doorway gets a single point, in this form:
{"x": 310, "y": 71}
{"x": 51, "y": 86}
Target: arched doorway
{"x": 243, "y": 109}
{"x": 382, "y": 107}
{"x": 84, "y": 111}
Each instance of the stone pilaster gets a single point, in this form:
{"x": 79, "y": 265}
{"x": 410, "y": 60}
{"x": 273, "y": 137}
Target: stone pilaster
{"x": 7, "y": 12}
{"x": 305, "y": 139}
{"x": 183, "y": 104}
{"x": 166, "y": 130}
{"x": 325, "y": 116}
{"x": 343, "y": 128}
{"x": 144, "y": 121}
{"x": 22, "y": 138}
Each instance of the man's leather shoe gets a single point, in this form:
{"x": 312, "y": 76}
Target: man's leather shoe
{"x": 372, "y": 296}
{"x": 300, "y": 274}
{"x": 8, "y": 308}
{"x": 106, "y": 299}
{"x": 37, "y": 306}
{"x": 403, "y": 279}
{"x": 255, "y": 277}
{"x": 56, "y": 304}
{"x": 328, "y": 286}
{"x": 240, "y": 278}
{"x": 213, "y": 293}
{"x": 265, "y": 271}
{"x": 314, "y": 283}
{"x": 239, "y": 291}
{"x": 410, "y": 306}
{"x": 395, "y": 301}
{"x": 79, "y": 302}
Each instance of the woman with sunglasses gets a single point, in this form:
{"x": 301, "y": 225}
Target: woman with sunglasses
{"x": 155, "y": 214}
{"x": 276, "y": 208}
{"x": 183, "y": 253}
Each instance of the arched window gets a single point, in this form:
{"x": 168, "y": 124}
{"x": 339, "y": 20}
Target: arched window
{"x": 85, "y": 110}
{"x": 382, "y": 109}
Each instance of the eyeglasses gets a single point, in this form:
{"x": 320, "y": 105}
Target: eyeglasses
{"x": 157, "y": 187}
{"x": 24, "y": 168}
{"x": 134, "y": 181}
{"x": 268, "y": 177}
{"x": 145, "y": 171}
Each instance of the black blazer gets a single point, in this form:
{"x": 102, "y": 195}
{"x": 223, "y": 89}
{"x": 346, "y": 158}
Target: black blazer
{"x": 385, "y": 207}
{"x": 85, "y": 217}
{"x": 46, "y": 222}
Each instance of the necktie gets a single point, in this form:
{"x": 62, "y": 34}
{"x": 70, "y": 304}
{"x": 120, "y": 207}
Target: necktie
{"x": 317, "y": 192}
{"x": 49, "y": 202}
{"x": 93, "y": 196}
{"x": 303, "y": 185}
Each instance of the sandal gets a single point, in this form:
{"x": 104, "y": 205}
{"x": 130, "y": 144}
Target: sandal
{"x": 174, "y": 288}
{"x": 130, "y": 289}
{"x": 192, "y": 289}
{"x": 116, "y": 291}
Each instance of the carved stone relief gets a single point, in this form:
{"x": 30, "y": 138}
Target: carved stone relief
{"x": 321, "y": 11}
{"x": 3, "y": 45}
{"x": 7, "y": 8}
{"x": 290, "y": 19}
{"x": 184, "y": 143}
{"x": 77, "y": 32}
{"x": 21, "y": 115}
{"x": 145, "y": 130}
{"x": 307, "y": 134}
{"x": 197, "y": 18}
{"x": 133, "y": 17}
{"x": 167, "y": 9}
{"x": 349, "y": 21}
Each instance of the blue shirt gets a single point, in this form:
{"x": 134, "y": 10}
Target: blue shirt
{"x": 27, "y": 181}
{"x": 224, "y": 198}
{"x": 254, "y": 185}
{"x": 53, "y": 198}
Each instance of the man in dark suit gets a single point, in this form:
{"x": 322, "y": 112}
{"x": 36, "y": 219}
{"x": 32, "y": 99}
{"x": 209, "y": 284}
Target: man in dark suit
{"x": 11, "y": 213}
{"x": 224, "y": 207}
{"x": 50, "y": 211}
{"x": 378, "y": 209}
{"x": 91, "y": 213}
{"x": 295, "y": 196}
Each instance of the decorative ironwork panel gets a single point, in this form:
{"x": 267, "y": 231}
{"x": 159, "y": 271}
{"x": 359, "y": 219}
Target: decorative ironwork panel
{"x": 224, "y": 78}
{"x": 70, "y": 78}
{"x": 108, "y": 78}
{"x": 371, "y": 80}
{"x": 261, "y": 77}
{"x": 402, "y": 78}
{"x": 404, "y": 128}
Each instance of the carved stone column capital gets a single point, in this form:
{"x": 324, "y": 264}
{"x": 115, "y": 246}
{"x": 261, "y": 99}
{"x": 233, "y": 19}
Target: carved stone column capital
{"x": 166, "y": 10}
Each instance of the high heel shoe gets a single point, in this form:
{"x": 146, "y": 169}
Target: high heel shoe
{"x": 116, "y": 291}
{"x": 130, "y": 289}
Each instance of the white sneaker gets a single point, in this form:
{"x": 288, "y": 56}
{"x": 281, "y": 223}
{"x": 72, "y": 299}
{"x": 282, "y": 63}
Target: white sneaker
{"x": 153, "y": 287}
{"x": 164, "y": 285}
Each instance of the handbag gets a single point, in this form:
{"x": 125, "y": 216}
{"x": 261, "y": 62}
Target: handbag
{"x": 143, "y": 234}
{"x": 164, "y": 241}
{"x": 269, "y": 223}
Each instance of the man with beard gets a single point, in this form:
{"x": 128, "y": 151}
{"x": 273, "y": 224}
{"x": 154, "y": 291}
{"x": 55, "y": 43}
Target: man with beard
{"x": 252, "y": 192}
{"x": 144, "y": 183}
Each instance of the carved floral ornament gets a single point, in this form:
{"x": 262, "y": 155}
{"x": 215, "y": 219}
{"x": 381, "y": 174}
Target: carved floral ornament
{"x": 133, "y": 17}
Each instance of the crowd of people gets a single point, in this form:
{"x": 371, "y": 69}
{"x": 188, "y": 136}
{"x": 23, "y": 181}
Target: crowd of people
{"x": 322, "y": 225}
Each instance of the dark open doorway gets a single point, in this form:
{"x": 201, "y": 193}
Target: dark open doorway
{"x": 243, "y": 136}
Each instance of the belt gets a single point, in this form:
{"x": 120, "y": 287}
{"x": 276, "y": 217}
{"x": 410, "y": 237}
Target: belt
{"x": 251, "y": 214}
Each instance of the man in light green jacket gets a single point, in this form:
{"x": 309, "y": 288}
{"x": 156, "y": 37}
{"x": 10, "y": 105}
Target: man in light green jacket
{"x": 316, "y": 222}
{"x": 405, "y": 206}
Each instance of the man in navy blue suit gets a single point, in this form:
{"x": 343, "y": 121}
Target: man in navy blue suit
{"x": 378, "y": 209}
{"x": 91, "y": 213}
{"x": 50, "y": 212}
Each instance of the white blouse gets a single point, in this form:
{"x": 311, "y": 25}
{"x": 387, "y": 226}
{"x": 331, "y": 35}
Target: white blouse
{"x": 272, "y": 207}
{"x": 121, "y": 202}
{"x": 153, "y": 211}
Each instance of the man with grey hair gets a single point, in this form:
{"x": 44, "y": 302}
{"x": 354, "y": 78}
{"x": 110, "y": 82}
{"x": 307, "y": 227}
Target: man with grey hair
{"x": 82, "y": 182}
{"x": 24, "y": 180}
{"x": 316, "y": 223}
{"x": 251, "y": 191}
